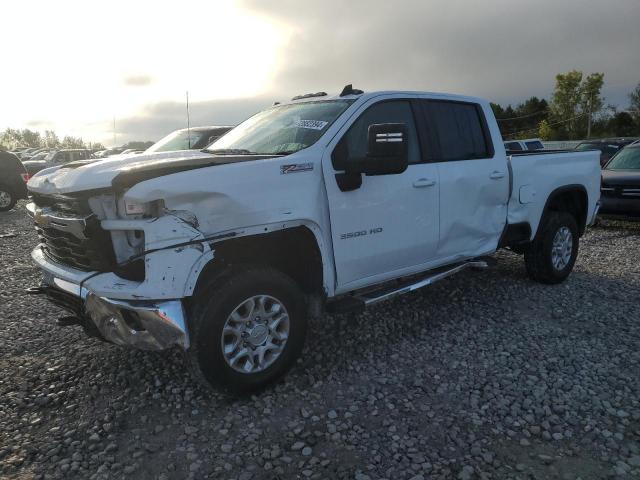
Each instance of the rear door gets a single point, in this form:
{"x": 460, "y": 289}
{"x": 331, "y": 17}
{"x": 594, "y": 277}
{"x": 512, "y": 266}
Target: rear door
{"x": 388, "y": 225}
{"x": 474, "y": 180}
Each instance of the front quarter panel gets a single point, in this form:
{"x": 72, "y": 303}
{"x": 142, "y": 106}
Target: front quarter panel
{"x": 249, "y": 198}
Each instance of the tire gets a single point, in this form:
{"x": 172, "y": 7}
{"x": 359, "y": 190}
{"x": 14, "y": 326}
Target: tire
{"x": 7, "y": 198}
{"x": 232, "y": 293}
{"x": 542, "y": 264}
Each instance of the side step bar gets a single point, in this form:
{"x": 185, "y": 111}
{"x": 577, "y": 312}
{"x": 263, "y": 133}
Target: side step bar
{"x": 360, "y": 300}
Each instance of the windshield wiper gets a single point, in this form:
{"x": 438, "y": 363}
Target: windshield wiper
{"x": 230, "y": 151}
{"x": 284, "y": 152}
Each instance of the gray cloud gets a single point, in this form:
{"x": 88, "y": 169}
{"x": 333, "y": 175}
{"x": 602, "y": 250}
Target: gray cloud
{"x": 157, "y": 120}
{"x": 137, "y": 80}
{"x": 503, "y": 50}
{"x": 40, "y": 124}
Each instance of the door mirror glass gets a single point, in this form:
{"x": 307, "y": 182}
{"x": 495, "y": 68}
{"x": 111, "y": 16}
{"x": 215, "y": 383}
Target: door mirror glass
{"x": 386, "y": 151}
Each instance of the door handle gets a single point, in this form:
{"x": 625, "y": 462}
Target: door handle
{"x": 496, "y": 175}
{"x": 424, "y": 182}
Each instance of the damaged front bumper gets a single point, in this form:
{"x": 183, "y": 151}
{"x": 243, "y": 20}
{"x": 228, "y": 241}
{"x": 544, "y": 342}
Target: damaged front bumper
{"x": 142, "y": 324}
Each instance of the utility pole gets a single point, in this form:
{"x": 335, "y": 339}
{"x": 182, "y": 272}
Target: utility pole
{"x": 589, "y": 117}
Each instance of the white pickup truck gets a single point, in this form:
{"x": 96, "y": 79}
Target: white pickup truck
{"x": 323, "y": 203}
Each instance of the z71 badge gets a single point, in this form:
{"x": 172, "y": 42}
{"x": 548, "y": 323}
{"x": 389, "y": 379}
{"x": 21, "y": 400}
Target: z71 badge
{"x": 361, "y": 233}
{"x": 296, "y": 167}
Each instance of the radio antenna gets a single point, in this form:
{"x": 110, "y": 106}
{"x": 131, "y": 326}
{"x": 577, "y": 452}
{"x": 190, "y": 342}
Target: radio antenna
{"x": 188, "y": 122}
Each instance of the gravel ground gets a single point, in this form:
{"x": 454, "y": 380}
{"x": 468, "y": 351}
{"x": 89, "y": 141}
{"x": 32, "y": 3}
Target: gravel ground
{"x": 484, "y": 375}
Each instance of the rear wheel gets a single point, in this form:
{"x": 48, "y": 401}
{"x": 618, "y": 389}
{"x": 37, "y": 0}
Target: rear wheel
{"x": 552, "y": 254}
{"x": 7, "y": 198}
{"x": 248, "y": 328}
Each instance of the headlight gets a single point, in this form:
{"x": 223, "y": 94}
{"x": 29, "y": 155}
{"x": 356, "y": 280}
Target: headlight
{"x": 147, "y": 209}
{"x": 134, "y": 208}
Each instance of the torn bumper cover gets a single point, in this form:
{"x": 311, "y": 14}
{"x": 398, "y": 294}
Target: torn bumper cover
{"x": 142, "y": 324}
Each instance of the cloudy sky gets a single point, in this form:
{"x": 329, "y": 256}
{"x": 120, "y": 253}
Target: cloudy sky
{"x": 74, "y": 66}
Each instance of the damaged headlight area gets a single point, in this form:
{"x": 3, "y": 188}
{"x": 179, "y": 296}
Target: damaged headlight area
{"x": 136, "y": 209}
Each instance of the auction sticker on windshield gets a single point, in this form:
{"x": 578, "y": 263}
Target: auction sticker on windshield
{"x": 312, "y": 124}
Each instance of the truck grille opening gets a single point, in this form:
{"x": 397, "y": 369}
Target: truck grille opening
{"x": 86, "y": 246}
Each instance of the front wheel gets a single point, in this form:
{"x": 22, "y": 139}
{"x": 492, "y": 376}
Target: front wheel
{"x": 552, "y": 254}
{"x": 7, "y": 198}
{"x": 247, "y": 328}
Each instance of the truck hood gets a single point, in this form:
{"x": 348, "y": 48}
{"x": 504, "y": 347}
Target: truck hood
{"x": 96, "y": 174}
{"x": 123, "y": 171}
{"x": 620, "y": 177}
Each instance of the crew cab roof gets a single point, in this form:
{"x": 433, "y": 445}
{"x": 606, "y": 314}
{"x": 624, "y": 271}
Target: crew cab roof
{"x": 369, "y": 95}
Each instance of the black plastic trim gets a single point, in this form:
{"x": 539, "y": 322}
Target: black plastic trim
{"x": 569, "y": 188}
{"x": 515, "y": 234}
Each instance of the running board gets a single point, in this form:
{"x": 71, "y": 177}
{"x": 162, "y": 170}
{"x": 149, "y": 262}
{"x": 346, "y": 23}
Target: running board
{"x": 360, "y": 300}
{"x": 373, "y": 297}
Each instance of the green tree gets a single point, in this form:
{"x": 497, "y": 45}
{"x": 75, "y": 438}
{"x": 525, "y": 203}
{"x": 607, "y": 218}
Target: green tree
{"x": 591, "y": 102}
{"x": 72, "y": 142}
{"x": 623, "y": 125}
{"x": 50, "y": 139}
{"x": 565, "y": 101}
{"x": 545, "y": 132}
{"x": 14, "y": 138}
{"x": 634, "y": 107}
{"x": 574, "y": 99}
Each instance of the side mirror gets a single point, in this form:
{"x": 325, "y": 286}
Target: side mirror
{"x": 387, "y": 151}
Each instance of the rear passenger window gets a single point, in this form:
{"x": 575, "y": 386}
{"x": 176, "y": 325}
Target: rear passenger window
{"x": 395, "y": 111}
{"x": 513, "y": 146}
{"x": 458, "y": 129}
{"x": 534, "y": 145}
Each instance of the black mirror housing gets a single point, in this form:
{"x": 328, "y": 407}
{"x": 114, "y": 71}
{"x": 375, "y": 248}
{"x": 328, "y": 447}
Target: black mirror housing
{"x": 387, "y": 151}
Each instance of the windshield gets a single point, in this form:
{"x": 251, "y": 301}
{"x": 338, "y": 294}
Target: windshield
{"x": 603, "y": 147}
{"x": 50, "y": 155}
{"x": 281, "y": 130}
{"x": 627, "y": 159}
{"x": 588, "y": 146}
{"x": 179, "y": 140}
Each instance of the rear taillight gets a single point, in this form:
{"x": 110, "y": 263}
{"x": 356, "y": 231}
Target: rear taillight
{"x": 25, "y": 177}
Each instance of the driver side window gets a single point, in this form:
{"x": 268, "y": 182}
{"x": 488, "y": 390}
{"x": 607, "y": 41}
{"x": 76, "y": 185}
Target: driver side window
{"x": 395, "y": 111}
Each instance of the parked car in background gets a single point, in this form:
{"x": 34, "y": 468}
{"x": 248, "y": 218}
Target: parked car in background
{"x": 13, "y": 180}
{"x": 27, "y": 152}
{"x": 29, "y": 155}
{"x": 18, "y": 150}
{"x": 195, "y": 138}
{"x": 56, "y": 157}
{"x": 40, "y": 155}
{"x": 620, "y": 191}
{"x": 110, "y": 152}
{"x": 523, "y": 145}
{"x": 608, "y": 147}
{"x": 131, "y": 151}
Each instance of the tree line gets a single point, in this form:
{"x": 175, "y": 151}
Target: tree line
{"x": 13, "y": 138}
{"x": 23, "y": 137}
{"x": 576, "y": 110}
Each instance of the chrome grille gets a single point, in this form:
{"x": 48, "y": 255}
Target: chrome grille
{"x": 624, "y": 191}
{"x": 71, "y": 235}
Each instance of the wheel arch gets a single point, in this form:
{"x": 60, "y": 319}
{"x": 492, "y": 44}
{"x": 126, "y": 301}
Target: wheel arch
{"x": 295, "y": 249}
{"x": 573, "y": 199}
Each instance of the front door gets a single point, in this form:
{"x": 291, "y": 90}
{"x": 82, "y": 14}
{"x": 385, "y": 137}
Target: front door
{"x": 389, "y": 224}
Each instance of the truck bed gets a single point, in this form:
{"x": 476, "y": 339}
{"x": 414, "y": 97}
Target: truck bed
{"x": 535, "y": 175}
